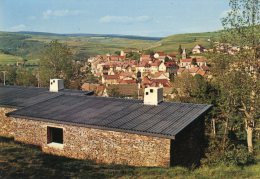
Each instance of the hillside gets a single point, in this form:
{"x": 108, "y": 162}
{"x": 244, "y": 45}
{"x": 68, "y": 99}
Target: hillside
{"x": 187, "y": 41}
{"x": 28, "y": 45}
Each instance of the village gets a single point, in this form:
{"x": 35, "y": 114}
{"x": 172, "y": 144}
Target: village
{"x": 129, "y": 77}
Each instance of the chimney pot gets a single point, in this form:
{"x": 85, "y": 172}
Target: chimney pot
{"x": 153, "y": 95}
{"x": 56, "y": 85}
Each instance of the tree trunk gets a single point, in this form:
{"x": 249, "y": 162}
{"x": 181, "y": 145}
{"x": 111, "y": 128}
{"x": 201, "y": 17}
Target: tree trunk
{"x": 214, "y": 126}
{"x": 225, "y": 134}
{"x": 249, "y": 132}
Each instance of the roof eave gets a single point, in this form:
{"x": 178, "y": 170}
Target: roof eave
{"x": 92, "y": 126}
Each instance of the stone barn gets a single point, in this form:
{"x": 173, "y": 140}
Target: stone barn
{"x": 74, "y": 124}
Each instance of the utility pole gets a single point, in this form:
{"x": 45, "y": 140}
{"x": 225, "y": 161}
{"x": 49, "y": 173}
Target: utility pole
{"x": 4, "y": 76}
{"x": 38, "y": 77}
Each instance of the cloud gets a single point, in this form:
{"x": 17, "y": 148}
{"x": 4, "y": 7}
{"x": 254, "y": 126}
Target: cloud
{"x": 19, "y": 27}
{"x": 60, "y": 13}
{"x": 124, "y": 19}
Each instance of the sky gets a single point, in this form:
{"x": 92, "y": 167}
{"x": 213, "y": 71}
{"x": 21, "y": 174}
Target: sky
{"x": 157, "y": 18}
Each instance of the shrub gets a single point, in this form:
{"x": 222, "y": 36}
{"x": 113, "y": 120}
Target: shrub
{"x": 232, "y": 155}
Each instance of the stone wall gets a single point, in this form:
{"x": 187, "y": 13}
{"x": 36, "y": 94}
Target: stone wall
{"x": 6, "y": 124}
{"x": 100, "y": 145}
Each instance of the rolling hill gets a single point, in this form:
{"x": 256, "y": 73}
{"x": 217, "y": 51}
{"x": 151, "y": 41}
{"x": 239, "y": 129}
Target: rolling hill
{"x": 187, "y": 41}
{"x": 28, "y": 45}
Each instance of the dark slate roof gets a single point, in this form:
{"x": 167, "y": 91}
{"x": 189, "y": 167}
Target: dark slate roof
{"x": 165, "y": 120}
{"x": 17, "y": 96}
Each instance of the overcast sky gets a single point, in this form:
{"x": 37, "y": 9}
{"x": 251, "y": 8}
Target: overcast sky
{"x": 131, "y": 17}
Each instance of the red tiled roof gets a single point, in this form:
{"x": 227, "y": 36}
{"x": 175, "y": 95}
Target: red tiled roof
{"x": 200, "y": 60}
{"x": 188, "y": 60}
{"x": 180, "y": 70}
{"x": 201, "y": 72}
{"x": 127, "y": 81}
{"x": 111, "y": 77}
{"x": 156, "y": 63}
{"x": 205, "y": 68}
{"x": 161, "y": 53}
{"x": 194, "y": 69}
{"x": 164, "y": 82}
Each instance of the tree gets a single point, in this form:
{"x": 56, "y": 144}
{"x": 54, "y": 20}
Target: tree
{"x": 167, "y": 59}
{"x": 180, "y": 50}
{"x": 133, "y": 55}
{"x": 242, "y": 29}
{"x": 25, "y": 77}
{"x": 194, "y": 61}
{"x": 113, "y": 92}
{"x": 117, "y": 52}
{"x": 56, "y": 62}
{"x": 193, "y": 89}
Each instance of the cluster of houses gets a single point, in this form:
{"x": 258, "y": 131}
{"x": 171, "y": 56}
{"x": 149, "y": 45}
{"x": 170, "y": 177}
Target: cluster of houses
{"x": 226, "y": 48}
{"x": 156, "y": 70}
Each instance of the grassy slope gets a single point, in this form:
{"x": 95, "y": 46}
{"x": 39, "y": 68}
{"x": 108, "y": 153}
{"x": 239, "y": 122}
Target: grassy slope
{"x": 24, "y": 161}
{"x": 96, "y": 45}
{"x": 30, "y": 46}
{"x": 9, "y": 59}
{"x": 187, "y": 41}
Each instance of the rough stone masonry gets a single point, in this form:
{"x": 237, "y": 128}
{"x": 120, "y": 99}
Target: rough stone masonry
{"x": 102, "y": 146}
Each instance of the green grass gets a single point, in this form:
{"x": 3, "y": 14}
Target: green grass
{"x": 25, "y": 161}
{"x": 9, "y": 59}
{"x": 188, "y": 41}
{"x": 96, "y": 45}
{"x": 30, "y": 46}
{"x": 6, "y": 59}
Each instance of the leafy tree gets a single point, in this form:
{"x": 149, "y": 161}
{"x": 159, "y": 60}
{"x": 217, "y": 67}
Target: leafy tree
{"x": 133, "y": 55}
{"x": 167, "y": 59}
{"x": 180, "y": 50}
{"x": 194, "y": 61}
{"x": 56, "y": 62}
{"x": 113, "y": 92}
{"x": 117, "y": 52}
{"x": 25, "y": 77}
{"x": 194, "y": 89}
{"x": 10, "y": 76}
{"x": 242, "y": 29}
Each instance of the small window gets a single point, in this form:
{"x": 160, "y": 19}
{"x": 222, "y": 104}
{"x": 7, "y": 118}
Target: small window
{"x": 151, "y": 90}
{"x": 146, "y": 93}
{"x": 54, "y": 135}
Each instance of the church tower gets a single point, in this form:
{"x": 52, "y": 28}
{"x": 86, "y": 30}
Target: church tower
{"x": 184, "y": 55}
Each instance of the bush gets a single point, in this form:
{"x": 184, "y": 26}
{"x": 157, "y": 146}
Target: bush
{"x": 238, "y": 155}
{"x": 231, "y": 155}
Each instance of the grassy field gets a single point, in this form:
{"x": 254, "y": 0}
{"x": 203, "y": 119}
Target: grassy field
{"x": 187, "y": 41}
{"x": 9, "y": 59}
{"x": 96, "y": 45}
{"x": 6, "y": 59}
{"x": 24, "y": 161}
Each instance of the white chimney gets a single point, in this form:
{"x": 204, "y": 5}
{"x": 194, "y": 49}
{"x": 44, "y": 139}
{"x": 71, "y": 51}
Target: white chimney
{"x": 153, "y": 95}
{"x": 56, "y": 85}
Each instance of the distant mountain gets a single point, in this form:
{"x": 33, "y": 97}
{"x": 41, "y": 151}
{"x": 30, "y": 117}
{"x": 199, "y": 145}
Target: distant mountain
{"x": 91, "y": 35}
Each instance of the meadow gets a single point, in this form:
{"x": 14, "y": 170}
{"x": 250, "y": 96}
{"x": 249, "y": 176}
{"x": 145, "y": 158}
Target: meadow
{"x": 9, "y": 59}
